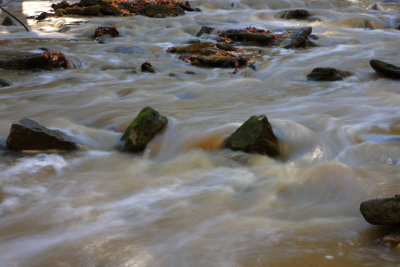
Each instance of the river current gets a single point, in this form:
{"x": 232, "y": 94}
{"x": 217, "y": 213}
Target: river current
{"x": 184, "y": 201}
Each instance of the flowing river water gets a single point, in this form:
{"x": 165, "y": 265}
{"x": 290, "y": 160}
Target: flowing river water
{"x": 185, "y": 202}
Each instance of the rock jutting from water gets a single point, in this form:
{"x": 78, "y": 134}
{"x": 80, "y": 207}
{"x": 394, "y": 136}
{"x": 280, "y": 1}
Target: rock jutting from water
{"x": 147, "y": 124}
{"x": 47, "y": 60}
{"x": 147, "y": 67}
{"x": 150, "y": 8}
{"x": 7, "y": 22}
{"x": 385, "y": 69}
{"x": 327, "y": 74}
{"x": 382, "y": 211}
{"x": 27, "y": 134}
{"x": 254, "y": 136}
{"x": 299, "y": 14}
{"x": 4, "y": 83}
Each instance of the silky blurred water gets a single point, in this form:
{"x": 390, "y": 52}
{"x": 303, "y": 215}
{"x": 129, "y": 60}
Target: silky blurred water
{"x": 185, "y": 202}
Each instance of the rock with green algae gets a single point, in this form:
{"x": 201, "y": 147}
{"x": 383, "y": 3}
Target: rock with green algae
{"x": 254, "y": 136}
{"x": 327, "y": 74}
{"x": 142, "y": 130}
{"x": 27, "y": 134}
{"x": 382, "y": 211}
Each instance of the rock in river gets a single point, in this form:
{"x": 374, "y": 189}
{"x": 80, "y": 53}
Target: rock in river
{"x": 4, "y": 83}
{"x": 327, "y": 74}
{"x": 27, "y": 134}
{"x": 254, "y": 136}
{"x": 385, "y": 69}
{"x": 47, "y": 60}
{"x": 293, "y": 38}
{"x": 142, "y": 130}
{"x": 300, "y": 14}
{"x": 382, "y": 211}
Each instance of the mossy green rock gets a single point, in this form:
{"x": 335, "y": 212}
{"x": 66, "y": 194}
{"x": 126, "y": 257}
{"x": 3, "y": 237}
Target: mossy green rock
{"x": 254, "y": 136}
{"x": 381, "y": 211}
{"x": 162, "y": 11}
{"x": 142, "y": 130}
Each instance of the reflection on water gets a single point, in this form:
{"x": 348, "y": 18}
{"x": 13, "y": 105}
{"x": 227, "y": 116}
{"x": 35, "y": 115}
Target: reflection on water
{"x": 184, "y": 202}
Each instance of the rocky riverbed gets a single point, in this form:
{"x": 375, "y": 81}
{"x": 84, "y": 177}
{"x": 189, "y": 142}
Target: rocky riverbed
{"x": 200, "y": 133}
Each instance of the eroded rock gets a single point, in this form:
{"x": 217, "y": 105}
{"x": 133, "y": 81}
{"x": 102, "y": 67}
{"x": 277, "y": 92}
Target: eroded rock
{"x": 142, "y": 130}
{"x": 47, "y": 60}
{"x": 382, "y": 211}
{"x": 27, "y": 134}
{"x": 327, "y": 74}
{"x": 254, "y": 136}
{"x": 385, "y": 69}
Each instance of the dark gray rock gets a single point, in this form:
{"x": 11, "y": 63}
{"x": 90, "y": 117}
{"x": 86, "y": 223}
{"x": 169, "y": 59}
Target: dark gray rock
{"x": 254, "y": 136}
{"x": 147, "y": 67}
{"x": 300, "y": 14}
{"x": 47, "y": 60}
{"x": 4, "y": 83}
{"x": 160, "y": 11}
{"x": 205, "y": 30}
{"x": 382, "y": 211}
{"x": 245, "y": 36}
{"x": 7, "y": 22}
{"x": 27, "y": 134}
{"x": 142, "y": 130}
{"x": 327, "y": 74}
{"x": 293, "y": 38}
{"x": 385, "y": 69}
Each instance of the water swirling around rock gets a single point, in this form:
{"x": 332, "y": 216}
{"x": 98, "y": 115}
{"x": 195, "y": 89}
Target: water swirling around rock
{"x": 184, "y": 202}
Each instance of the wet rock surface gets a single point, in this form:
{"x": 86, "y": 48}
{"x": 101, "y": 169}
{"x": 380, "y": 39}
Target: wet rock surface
{"x": 101, "y": 30}
{"x": 327, "y": 74}
{"x": 293, "y": 38}
{"x": 385, "y": 69}
{"x": 254, "y": 136}
{"x": 48, "y": 60}
{"x": 300, "y": 14}
{"x": 7, "y": 22}
{"x": 4, "y": 83}
{"x": 27, "y": 134}
{"x": 382, "y": 211}
{"x": 142, "y": 130}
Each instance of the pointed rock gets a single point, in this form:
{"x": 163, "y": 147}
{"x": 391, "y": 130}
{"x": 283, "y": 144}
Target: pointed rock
{"x": 27, "y": 134}
{"x": 142, "y": 130}
{"x": 254, "y": 136}
{"x": 7, "y": 22}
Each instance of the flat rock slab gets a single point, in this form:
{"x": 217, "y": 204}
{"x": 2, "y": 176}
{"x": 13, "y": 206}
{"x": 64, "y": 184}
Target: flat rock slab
{"x": 327, "y": 74}
{"x": 382, "y": 211}
{"x": 142, "y": 130}
{"x": 27, "y": 134}
{"x": 385, "y": 69}
{"x": 47, "y": 60}
{"x": 254, "y": 136}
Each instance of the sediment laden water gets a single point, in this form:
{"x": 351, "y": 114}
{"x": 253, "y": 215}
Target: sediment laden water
{"x": 184, "y": 202}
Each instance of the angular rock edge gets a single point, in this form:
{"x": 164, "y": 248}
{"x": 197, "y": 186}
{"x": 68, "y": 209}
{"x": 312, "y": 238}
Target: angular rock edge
{"x": 27, "y": 134}
{"x": 254, "y": 136}
{"x": 147, "y": 124}
{"x": 327, "y": 74}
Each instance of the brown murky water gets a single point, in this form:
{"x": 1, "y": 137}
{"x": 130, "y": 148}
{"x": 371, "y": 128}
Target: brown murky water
{"x": 184, "y": 202}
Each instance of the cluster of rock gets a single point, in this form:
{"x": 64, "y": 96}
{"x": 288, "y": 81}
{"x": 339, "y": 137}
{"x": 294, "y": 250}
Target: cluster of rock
{"x": 384, "y": 211}
{"x": 254, "y": 136}
{"x": 153, "y": 8}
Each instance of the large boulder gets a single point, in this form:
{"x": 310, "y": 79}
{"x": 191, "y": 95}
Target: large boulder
{"x": 47, "y": 60}
{"x": 382, "y": 211}
{"x": 27, "y": 134}
{"x": 254, "y": 136}
{"x": 385, "y": 69}
{"x": 327, "y": 74}
{"x": 142, "y": 130}
{"x": 293, "y": 38}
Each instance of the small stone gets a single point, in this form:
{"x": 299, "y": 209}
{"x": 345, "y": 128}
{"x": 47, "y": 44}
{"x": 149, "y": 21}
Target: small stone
{"x": 385, "y": 69}
{"x": 147, "y": 67}
{"x": 7, "y": 22}
{"x": 205, "y": 30}
{"x": 300, "y": 14}
{"x": 43, "y": 16}
{"x": 327, "y": 74}
{"x": 142, "y": 130}
{"x": 382, "y": 211}
{"x": 254, "y": 136}
{"x": 27, "y": 134}
{"x": 4, "y": 83}
{"x": 112, "y": 31}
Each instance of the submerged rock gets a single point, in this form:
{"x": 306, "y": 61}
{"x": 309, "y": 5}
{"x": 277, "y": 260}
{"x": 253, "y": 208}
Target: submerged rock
{"x": 147, "y": 67}
{"x": 162, "y": 11}
{"x": 47, "y": 60}
{"x": 386, "y": 69}
{"x": 254, "y": 136}
{"x": 391, "y": 240}
{"x": 4, "y": 83}
{"x": 100, "y": 31}
{"x": 293, "y": 38}
{"x": 382, "y": 211}
{"x": 7, "y": 22}
{"x": 27, "y": 134}
{"x": 300, "y": 14}
{"x": 142, "y": 130}
{"x": 327, "y": 74}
